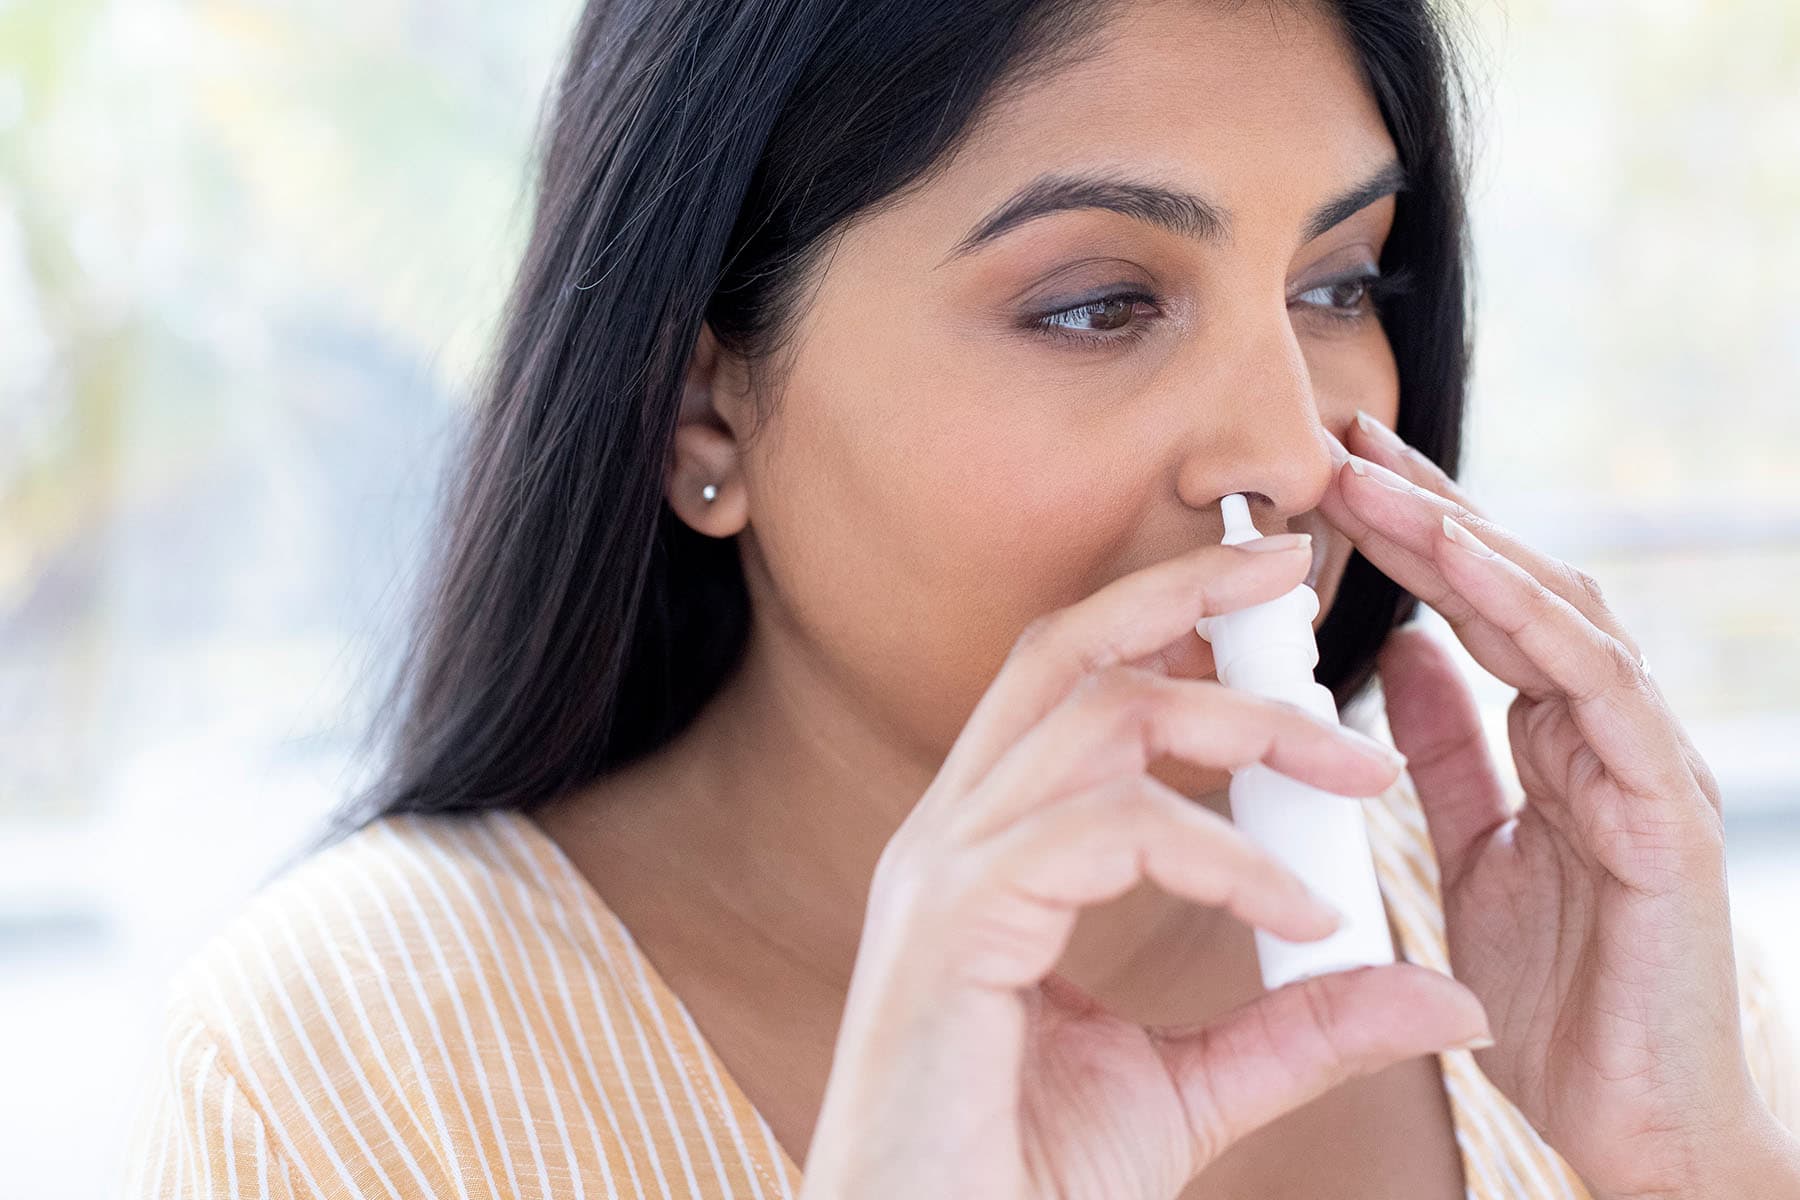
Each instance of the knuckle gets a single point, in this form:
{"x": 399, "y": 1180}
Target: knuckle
{"x": 1206, "y": 592}
{"x": 908, "y": 865}
{"x": 1323, "y": 1017}
{"x": 895, "y": 893}
{"x": 1212, "y": 1134}
{"x": 1118, "y": 691}
{"x": 1706, "y": 781}
{"x": 910, "y": 883}
{"x": 1710, "y": 835}
{"x": 1210, "y": 1126}
{"x": 1586, "y": 586}
{"x": 1623, "y": 662}
{"x": 1053, "y": 635}
{"x": 1133, "y": 702}
{"x": 1096, "y": 656}
{"x": 1038, "y": 632}
{"x": 1145, "y": 805}
{"x": 896, "y": 872}
{"x": 1531, "y": 720}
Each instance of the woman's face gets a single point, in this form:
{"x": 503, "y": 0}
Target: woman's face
{"x": 988, "y": 418}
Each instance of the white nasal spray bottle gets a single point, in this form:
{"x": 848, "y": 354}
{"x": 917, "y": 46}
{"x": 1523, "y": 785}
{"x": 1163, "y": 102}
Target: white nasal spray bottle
{"x": 1269, "y": 649}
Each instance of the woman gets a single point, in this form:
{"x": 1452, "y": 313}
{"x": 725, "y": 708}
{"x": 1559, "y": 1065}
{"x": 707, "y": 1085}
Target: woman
{"x": 807, "y": 756}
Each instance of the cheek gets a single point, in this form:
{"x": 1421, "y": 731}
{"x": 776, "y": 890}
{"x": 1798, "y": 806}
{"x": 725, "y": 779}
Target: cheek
{"x": 980, "y": 487}
{"x": 1355, "y": 372}
{"x": 915, "y": 512}
{"x": 1349, "y": 373}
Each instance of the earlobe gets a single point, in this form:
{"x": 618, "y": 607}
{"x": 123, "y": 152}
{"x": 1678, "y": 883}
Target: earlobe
{"x": 704, "y": 486}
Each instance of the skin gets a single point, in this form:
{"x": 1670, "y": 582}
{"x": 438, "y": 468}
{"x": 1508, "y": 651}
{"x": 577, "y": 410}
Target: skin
{"x": 881, "y": 608}
{"x": 933, "y": 476}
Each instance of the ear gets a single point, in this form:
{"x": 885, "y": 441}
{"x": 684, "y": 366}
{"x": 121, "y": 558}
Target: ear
{"x": 708, "y": 448}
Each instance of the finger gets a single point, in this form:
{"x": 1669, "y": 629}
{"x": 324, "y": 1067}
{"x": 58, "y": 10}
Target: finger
{"x": 1419, "y": 576}
{"x": 1189, "y": 656}
{"x": 1120, "y": 720}
{"x": 1035, "y": 876}
{"x": 1376, "y": 442}
{"x": 1490, "y": 646}
{"x": 1287, "y": 1047}
{"x": 1613, "y": 703}
{"x": 1556, "y": 750}
{"x": 1133, "y": 616}
{"x": 1553, "y": 759}
{"x": 1404, "y": 497}
{"x": 1435, "y": 722}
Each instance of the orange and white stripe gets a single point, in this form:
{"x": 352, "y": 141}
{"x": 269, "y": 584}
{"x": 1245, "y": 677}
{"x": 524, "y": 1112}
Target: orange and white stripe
{"x": 442, "y": 1006}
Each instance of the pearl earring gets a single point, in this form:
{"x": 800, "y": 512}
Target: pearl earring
{"x": 709, "y": 493}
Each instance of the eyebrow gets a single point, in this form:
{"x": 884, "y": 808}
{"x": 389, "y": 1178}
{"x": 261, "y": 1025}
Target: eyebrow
{"x": 1180, "y": 212}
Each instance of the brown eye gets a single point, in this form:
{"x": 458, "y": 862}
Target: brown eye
{"x": 1102, "y": 314}
{"x": 1107, "y": 319}
{"x": 1343, "y": 295}
{"x": 1355, "y": 298}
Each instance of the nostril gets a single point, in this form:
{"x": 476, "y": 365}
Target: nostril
{"x": 1255, "y": 499}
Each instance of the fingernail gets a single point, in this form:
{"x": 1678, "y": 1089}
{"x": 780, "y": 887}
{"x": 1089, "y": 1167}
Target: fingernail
{"x": 1480, "y": 1041}
{"x": 1279, "y": 541}
{"x": 1462, "y": 537}
{"x": 1382, "y": 475}
{"x": 1376, "y": 429}
{"x": 1392, "y": 440}
{"x": 1385, "y": 435}
{"x": 1338, "y": 453}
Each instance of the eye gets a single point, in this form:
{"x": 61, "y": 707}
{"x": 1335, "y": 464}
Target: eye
{"x": 1116, "y": 317}
{"x": 1355, "y": 298}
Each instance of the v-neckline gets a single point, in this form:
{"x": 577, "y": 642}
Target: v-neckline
{"x": 576, "y": 886}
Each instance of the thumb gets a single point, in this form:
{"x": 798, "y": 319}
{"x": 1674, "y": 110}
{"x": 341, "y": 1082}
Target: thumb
{"x": 1286, "y": 1047}
{"x": 1434, "y": 722}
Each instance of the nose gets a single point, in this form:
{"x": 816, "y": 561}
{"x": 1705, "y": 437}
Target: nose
{"x": 1256, "y": 428}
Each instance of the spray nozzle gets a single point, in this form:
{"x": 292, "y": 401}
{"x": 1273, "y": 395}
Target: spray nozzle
{"x": 1266, "y": 647}
{"x": 1238, "y": 525}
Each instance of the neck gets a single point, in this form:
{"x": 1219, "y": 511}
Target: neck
{"x": 751, "y": 838}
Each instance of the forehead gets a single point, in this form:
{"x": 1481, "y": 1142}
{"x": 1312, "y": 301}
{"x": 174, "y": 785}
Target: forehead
{"x": 1262, "y": 101}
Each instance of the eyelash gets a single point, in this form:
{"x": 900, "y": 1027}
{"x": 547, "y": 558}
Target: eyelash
{"x": 1046, "y": 324}
{"x": 1376, "y": 290}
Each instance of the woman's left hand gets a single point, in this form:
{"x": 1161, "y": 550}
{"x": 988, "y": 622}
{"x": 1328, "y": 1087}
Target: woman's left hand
{"x": 1593, "y": 922}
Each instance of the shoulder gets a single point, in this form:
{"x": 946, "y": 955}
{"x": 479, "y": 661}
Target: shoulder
{"x": 356, "y": 1002}
{"x": 196, "y": 1133}
{"x": 413, "y": 905}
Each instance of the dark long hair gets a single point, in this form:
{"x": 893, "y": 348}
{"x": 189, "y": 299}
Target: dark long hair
{"x": 696, "y": 156}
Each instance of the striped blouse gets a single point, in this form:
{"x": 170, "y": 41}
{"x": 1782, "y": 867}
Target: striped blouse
{"x": 442, "y": 1006}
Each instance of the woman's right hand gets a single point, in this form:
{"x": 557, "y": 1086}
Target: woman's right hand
{"x": 963, "y": 1067}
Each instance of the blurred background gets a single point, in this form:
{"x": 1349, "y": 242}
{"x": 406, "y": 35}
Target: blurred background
{"x": 251, "y": 253}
